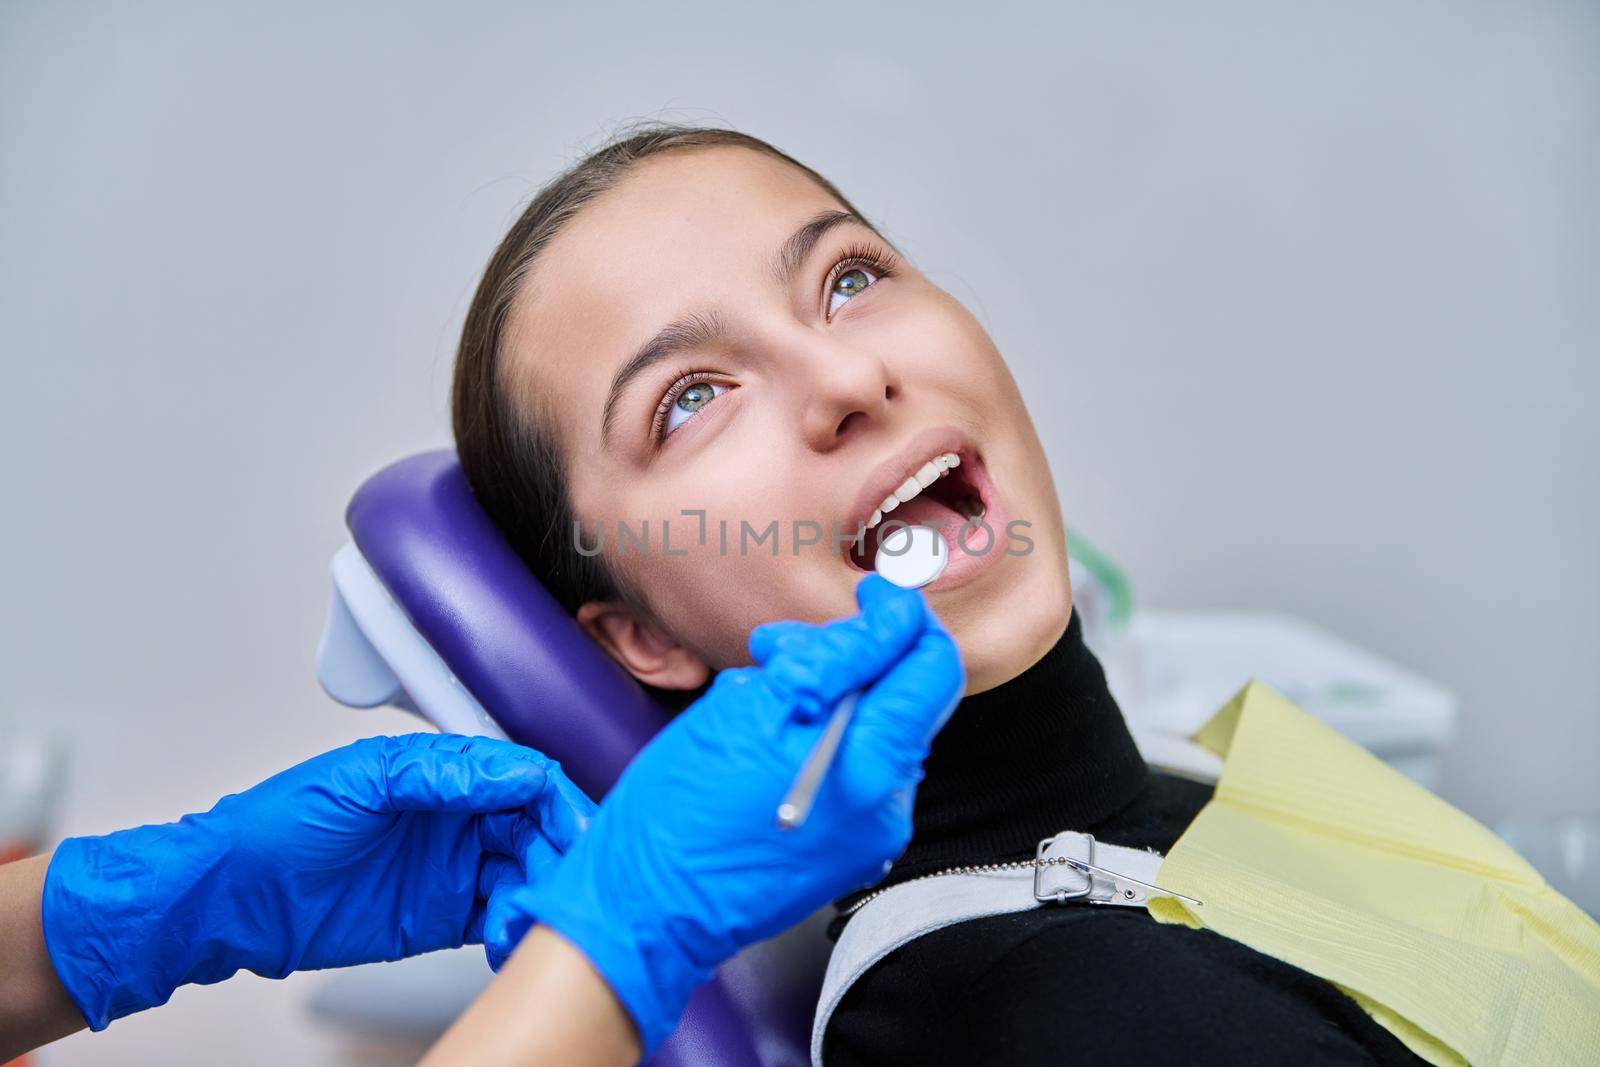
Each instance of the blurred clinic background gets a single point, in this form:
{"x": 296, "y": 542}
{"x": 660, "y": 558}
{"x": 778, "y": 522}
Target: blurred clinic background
{"x": 1305, "y": 300}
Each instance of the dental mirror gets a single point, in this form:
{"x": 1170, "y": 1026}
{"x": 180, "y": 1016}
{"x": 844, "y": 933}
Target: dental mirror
{"x": 910, "y": 557}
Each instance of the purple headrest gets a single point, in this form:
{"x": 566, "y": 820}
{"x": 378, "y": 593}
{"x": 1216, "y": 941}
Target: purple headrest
{"x": 470, "y": 596}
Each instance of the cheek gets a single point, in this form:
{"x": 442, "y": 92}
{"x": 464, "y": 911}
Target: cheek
{"x": 692, "y": 573}
{"x": 711, "y": 593}
{"x": 981, "y": 361}
{"x": 945, "y": 347}
{"x": 710, "y": 601}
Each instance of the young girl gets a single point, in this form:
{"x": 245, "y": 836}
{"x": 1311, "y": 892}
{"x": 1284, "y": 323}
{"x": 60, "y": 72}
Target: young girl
{"x": 691, "y": 375}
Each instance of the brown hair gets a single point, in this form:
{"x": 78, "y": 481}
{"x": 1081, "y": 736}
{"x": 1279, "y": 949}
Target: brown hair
{"x": 510, "y": 457}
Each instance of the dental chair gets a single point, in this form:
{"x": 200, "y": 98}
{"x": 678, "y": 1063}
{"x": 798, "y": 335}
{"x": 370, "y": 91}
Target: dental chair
{"x": 433, "y": 612}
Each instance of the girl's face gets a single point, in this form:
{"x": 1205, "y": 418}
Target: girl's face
{"x": 725, "y": 354}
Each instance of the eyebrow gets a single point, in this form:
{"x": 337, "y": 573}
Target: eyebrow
{"x": 701, "y": 331}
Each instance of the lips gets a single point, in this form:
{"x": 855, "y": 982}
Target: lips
{"x": 936, "y": 479}
{"x": 937, "y": 467}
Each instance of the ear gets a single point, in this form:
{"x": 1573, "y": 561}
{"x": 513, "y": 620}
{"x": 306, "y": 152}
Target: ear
{"x": 644, "y": 649}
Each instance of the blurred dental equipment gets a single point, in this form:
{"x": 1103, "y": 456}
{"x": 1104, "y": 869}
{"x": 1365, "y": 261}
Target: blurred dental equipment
{"x": 910, "y": 557}
{"x": 1172, "y": 666}
{"x": 1171, "y": 669}
{"x": 31, "y": 775}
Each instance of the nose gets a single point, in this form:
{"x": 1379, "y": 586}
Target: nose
{"x": 844, "y": 389}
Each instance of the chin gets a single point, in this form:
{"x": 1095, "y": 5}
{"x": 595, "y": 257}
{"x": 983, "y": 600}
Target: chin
{"x": 1004, "y": 625}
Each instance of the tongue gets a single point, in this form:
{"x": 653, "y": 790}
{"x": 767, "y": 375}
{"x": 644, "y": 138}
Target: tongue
{"x": 921, "y": 510}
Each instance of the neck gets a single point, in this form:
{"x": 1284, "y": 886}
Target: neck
{"x": 1044, "y": 752}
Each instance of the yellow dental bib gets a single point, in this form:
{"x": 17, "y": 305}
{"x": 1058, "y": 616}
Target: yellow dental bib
{"x": 1317, "y": 853}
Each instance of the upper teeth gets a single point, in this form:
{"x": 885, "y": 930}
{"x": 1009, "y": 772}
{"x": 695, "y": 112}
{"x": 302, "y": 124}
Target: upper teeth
{"x": 920, "y": 479}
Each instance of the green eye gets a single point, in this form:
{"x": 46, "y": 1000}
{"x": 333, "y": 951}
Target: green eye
{"x": 847, "y": 285}
{"x": 696, "y": 397}
{"x": 851, "y": 282}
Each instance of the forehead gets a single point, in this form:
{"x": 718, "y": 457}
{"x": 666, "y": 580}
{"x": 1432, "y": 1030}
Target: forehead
{"x": 685, "y": 231}
{"x": 681, "y": 207}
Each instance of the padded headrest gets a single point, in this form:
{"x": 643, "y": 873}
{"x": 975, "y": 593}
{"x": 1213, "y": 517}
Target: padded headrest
{"x": 504, "y": 636}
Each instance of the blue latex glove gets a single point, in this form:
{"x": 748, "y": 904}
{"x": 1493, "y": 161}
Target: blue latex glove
{"x": 522, "y": 848}
{"x": 684, "y": 863}
{"x": 381, "y": 849}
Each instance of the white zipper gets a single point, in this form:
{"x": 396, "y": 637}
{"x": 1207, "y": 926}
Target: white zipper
{"x": 976, "y": 868}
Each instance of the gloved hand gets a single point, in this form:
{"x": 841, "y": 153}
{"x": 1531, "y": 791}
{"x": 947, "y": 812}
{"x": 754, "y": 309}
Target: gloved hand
{"x": 521, "y": 847}
{"x": 381, "y": 849}
{"x": 684, "y": 863}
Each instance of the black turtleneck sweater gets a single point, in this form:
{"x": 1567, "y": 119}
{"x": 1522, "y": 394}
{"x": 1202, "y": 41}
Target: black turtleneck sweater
{"x": 1045, "y": 752}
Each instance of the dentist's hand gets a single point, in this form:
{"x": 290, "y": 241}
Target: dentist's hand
{"x": 382, "y": 849}
{"x": 684, "y": 864}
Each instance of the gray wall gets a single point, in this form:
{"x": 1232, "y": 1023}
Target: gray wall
{"x": 1305, "y": 301}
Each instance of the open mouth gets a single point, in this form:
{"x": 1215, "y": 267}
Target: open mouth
{"x": 944, "y": 492}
